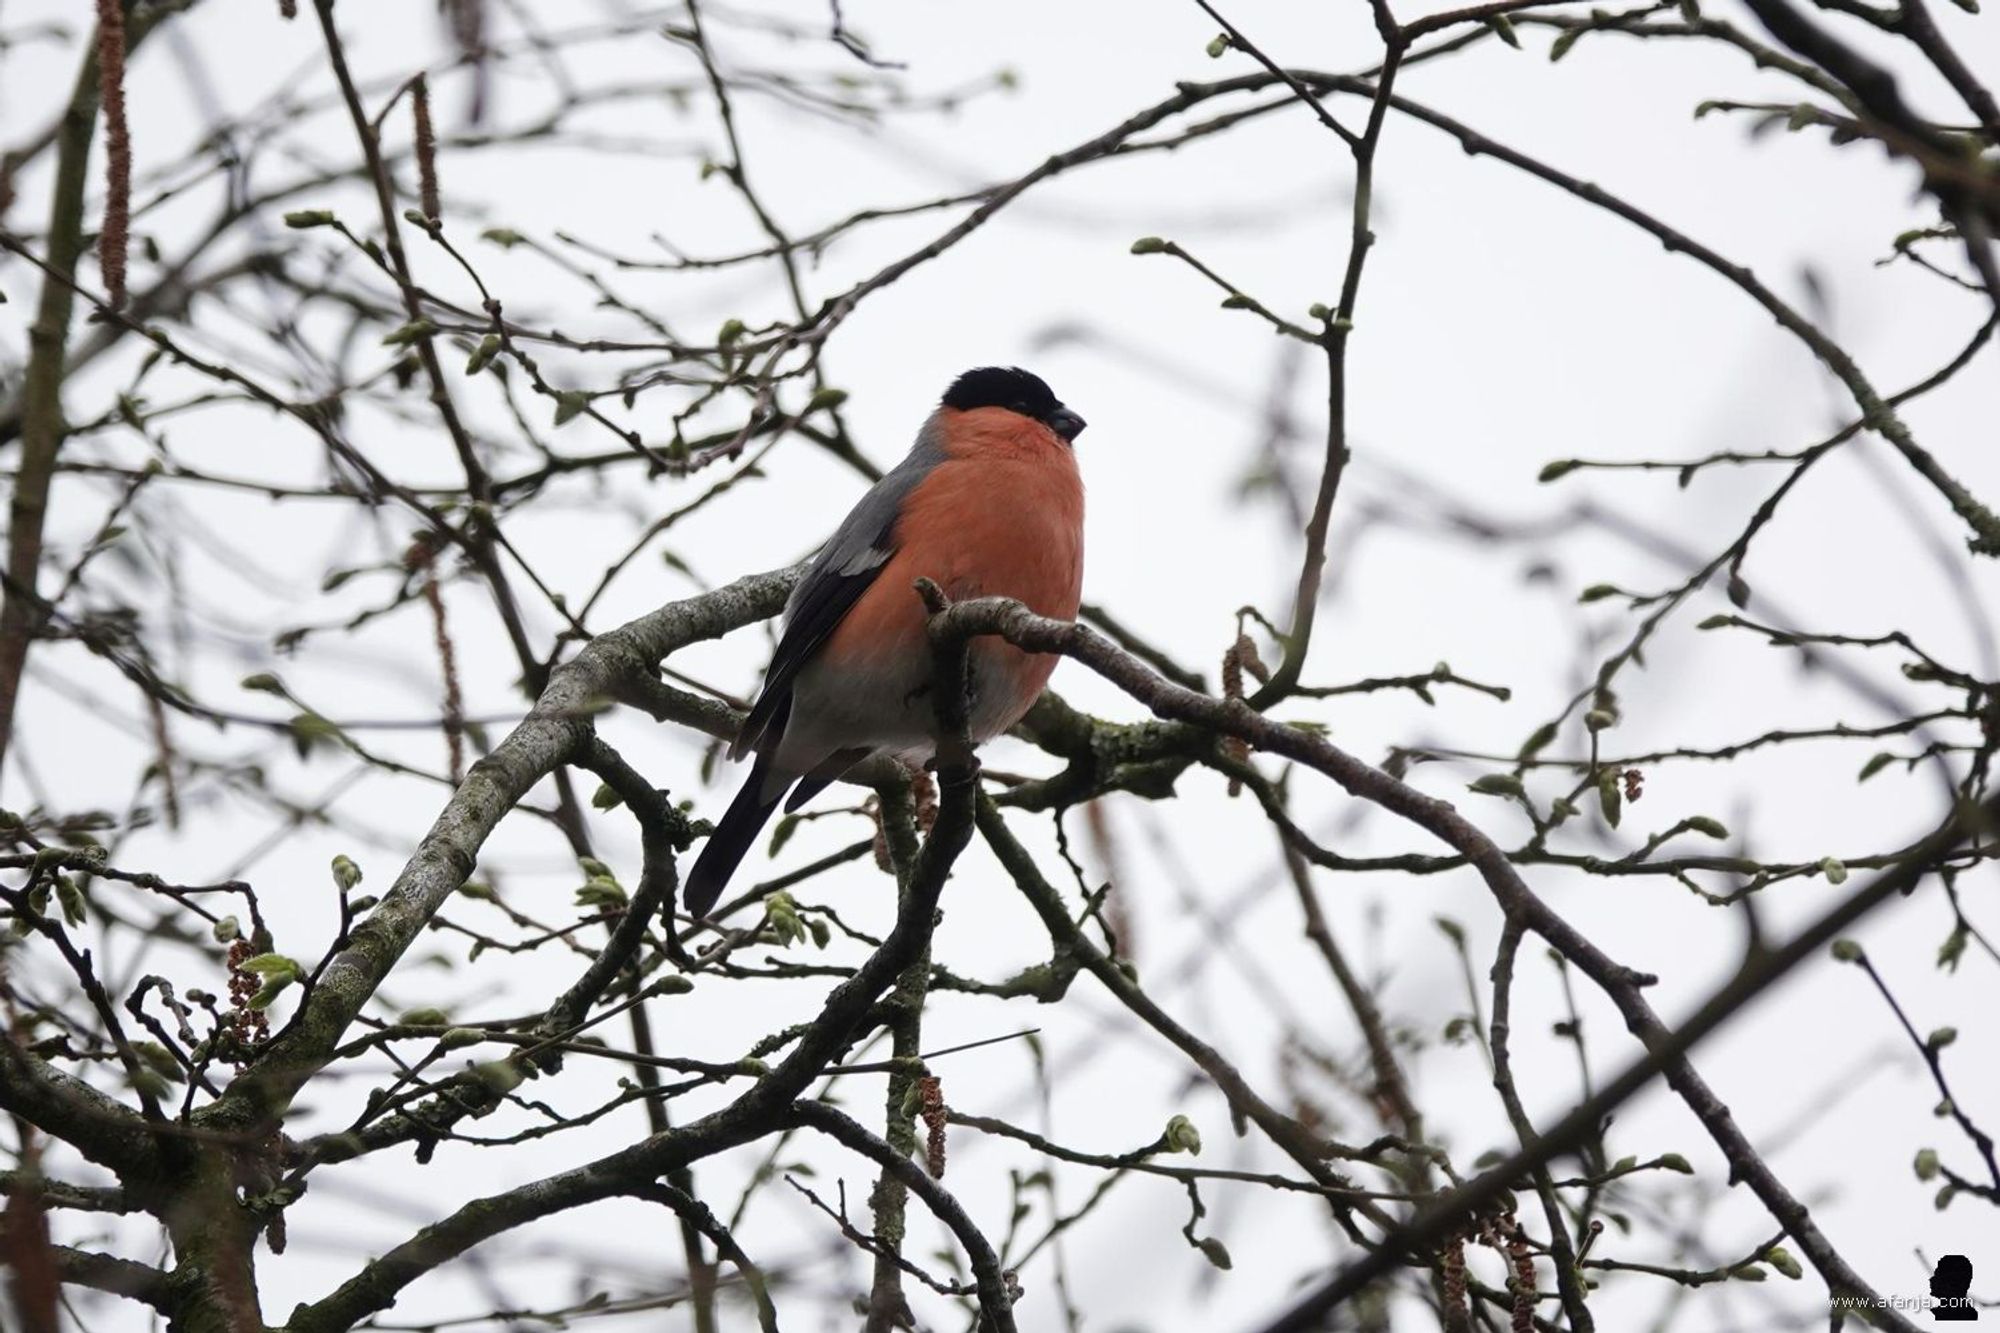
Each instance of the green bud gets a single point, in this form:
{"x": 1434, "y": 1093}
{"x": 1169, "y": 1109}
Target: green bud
{"x": 504, "y": 237}
{"x": 1781, "y": 1259}
{"x": 1713, "y": 828}
{"x": 1673, "y": 1161}
{"x": 1945, "y": 1195}
{"x": 226, "y": 931}
{"x": 272, "y": 988}
{"x": 427, "y": 1017}
{"x": 731, "y": 330}
{"x": 1835, "y": 872}
{"x": 1717, "y": 622}
{"x": 1497, "y": 784}
{"x": 783, "y": 913}
{"x": 473, "y": 888}
{"x": 301, "y": 219}
{"x": 1610, "y": 800}
{"x": 1318, "y": 310}
{"x": 1215, "y": 1252}
{"x": 1598, "y": 719}
{"x": 346, "y": 874}
{"x": 1926, "y": 1165}
{"x": 269, "y": 965}
{"x": 70, "y": 895}
{"x": 756, "y": 1068}
{"x": 482, "y": 355}
{"x": 1217, "y": 47}
{"x": 264, "y": 683}
{"x": 1953, "y": 947}
{"x": 1846, "y": 951}
{"x": 500, "y": 1076}
{"x": 825, "y": 400}
{"x": 606, "y": 797}
{"x": 409, "y": 333}
{"x": 1149, "y": 245}
{"x": 1940, "y": 1038}
{"x": 1182, "y": 1136}
{"x": 671, "y": 984}
{"x": 601, "y": 893}
{"x": 1561, "y": 467}
{"x": 454, "y": 1038}
{"x": 569, "y": 404}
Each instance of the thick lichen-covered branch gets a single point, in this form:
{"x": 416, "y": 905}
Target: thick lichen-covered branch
{"x": 553, "y": 733}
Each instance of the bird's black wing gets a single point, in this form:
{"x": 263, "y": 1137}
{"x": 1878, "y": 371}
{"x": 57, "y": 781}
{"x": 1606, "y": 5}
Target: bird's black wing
{"x": 840, "y": 573}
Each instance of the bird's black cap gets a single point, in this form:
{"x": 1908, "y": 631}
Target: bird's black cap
{"x": 1016, "y": 390}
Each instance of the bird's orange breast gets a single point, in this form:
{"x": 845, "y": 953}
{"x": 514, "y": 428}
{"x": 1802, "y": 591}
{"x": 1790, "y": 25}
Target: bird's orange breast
{"x": 1001, "y": 516}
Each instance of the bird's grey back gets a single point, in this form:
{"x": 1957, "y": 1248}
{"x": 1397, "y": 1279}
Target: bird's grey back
{"x": 863, "y": 541}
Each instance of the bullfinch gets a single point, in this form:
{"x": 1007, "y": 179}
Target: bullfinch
{"x": 987, "y": 504}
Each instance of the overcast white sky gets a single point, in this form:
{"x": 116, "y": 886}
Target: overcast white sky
{"x": 1502, "y": 325}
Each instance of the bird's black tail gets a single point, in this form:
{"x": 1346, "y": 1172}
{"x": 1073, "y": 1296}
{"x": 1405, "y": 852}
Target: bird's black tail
{"x": 753, "y": 806}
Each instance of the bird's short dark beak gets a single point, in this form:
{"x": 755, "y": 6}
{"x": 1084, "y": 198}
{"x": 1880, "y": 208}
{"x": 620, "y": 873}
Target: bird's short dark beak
{"x": 1066, "y": 423}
